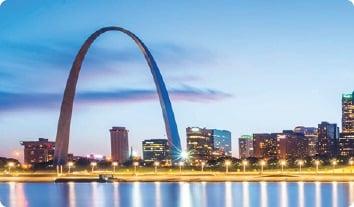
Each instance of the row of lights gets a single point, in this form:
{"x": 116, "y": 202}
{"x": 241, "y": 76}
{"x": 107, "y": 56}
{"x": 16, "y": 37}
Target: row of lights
{"x": 181, "y": 164}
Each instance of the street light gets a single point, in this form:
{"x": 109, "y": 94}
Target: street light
{"x": 10, "y": 165}
{"x": 93, "y": 165}
{"x": 351, "y": 162}
{"x": 227, "y": 164}
{"x": 300, "y": 163}
{"x": 317, "y": 163}
{"x": 180, "y": 166}
{"x": 203, "y": 164}
{"x": 70, "y": 164}
{"x": 334, "y": 163}
{"x": 156, "y": 164}
{"x": 282, "y": 164}
{"x": 136, "y": 164}
{"x": 244, "y": 163}
{"x": 114, "y": 165}
{"x": 262, "y": 163}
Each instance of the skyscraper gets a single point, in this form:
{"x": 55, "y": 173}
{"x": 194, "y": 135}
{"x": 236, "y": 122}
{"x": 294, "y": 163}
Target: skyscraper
{"x": 221, "y": 143}
{"x": 311, "y": 133}
{"x": 199, "y": 144}
{"x": 156, "y": 150}
{"x": 265, "y": 145}
{"x": 348, "y": 115}
{"x": 38, "y": 151}
{"x": 346, "y": 141}
{"x": 245, "y": 145}
{"x": 119, "y": 144}
{"x": 292, "y": 145}
{"x": 328, "y": 140}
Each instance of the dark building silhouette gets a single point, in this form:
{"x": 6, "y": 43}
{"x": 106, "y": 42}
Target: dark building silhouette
{"x": 328, "y": 140}
{"x": 292, "y": 145}
{"x": 156, "y": 150}
{"x": 265, "y": 145}
{"x": 311, "y": 133}
{"x": 38, "y": 151}
{"x": 346, "y": 141}
{"x": 245, "y": 145}
{"x": 119, "y": 144}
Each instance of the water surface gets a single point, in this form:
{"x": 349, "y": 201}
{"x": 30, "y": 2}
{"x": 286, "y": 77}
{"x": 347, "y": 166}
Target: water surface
{"x": 180, "y": 194}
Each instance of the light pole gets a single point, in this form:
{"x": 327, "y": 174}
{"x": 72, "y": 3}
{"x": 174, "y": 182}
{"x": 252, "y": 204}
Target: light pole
{"x": 180, "y": 166}
{"x": 300, "y": 163}
{"x": 156, "y": 164}
{"x": 136, "y": 164}
{"x": 227, "y": 164}
{"x": 202, "y": 165}
{"x": 244, "y": 163}
{"x": 282, "y": 164}
{"x": 93, "y": 165}
{"x": 334, "y": 163}
{"x": 262, "y": 163}
{"x": 10, "y": 165}
{"x": 317, "y": 163}
{"x": 114, "y": 165}
{"x": 70, "y": 164}
{"x": 351, "y": 162}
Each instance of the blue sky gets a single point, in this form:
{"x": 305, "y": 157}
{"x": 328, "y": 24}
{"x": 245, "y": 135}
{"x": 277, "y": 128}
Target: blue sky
{"x": 246, "y": 66}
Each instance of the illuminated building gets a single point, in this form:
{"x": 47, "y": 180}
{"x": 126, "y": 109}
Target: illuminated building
{"x": 199, "y": 144}
{"x": 156, "y": 150}
{"x": 265, "y": 145}
{"x": 328, "y": 140}
{"x": 312, "y": 136}
{"x": 347, "y": 136}
{"x": 119, "y": 144}
{"x": 245, "y": 145}
{"x": 292, "y": 145}
{"x": 221, "y": 143}
{"x": 38, "y": 151}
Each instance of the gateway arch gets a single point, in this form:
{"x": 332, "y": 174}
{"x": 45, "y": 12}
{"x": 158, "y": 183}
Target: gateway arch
{"x": 63, "y": 130}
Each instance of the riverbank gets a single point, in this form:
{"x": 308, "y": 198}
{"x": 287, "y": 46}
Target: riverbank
{"x": 210, "y": 177}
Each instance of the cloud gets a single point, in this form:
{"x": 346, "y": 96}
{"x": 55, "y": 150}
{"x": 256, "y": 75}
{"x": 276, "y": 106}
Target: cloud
{"x": 27, "y": 101}
{"x": 352, "y": 1}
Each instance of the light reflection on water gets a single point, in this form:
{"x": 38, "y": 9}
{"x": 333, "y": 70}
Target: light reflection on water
{"x": 182, "y": 194}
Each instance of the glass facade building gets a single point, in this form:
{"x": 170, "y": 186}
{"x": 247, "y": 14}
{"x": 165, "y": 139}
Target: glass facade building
{"x": 221, "y": 141}
{"x": 328, "y": 140}
{"x": 245, "y": 145}
{"x": 156, "y": 150}
{"x": 346, "y": 141}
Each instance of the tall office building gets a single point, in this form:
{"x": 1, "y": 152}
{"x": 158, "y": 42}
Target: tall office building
{"x": 156, "y": 150}
{"x": 38, "y": 151}
{"x": 199, "y": 144}
{"x": 348, "y": 115}
{"x": 292, "y": 145}
{"x": 265, "y": 145}
{"x": 245, "y": 146}
{"x": 221, "y": 143}
{"x": 119, "y": 144}
{"x": 328, "y": 140}
{"x": 311, "y": 133}
{"x": 346, "y": 141}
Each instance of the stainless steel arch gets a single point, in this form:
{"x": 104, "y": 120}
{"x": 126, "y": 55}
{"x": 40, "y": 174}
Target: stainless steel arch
{"x": 63, "y": 130}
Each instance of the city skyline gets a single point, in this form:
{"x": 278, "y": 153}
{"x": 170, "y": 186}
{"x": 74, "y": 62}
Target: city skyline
{"x": 206, "y": 77}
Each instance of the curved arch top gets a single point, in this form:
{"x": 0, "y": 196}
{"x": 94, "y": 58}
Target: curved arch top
{"x": 63, "y": 130}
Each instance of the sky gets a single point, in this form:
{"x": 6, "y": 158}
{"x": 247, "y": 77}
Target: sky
{"x": 248, "y": 66}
